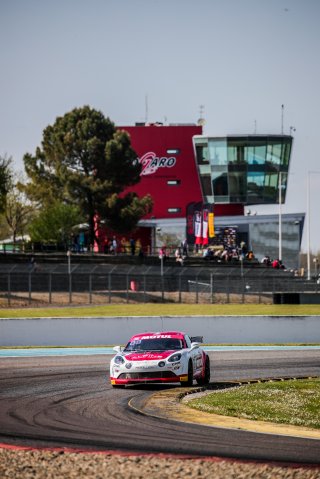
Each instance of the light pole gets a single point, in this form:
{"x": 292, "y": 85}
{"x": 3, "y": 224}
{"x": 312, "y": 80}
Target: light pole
{"x": 69, "y": 261}
{"x": 241, "y": 265}
{"x": 280, "y": 216}
{"x": 309, "y": 224}
{"x": 315, "y": 261}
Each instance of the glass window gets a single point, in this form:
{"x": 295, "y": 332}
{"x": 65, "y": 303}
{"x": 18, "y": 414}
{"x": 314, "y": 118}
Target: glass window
{"x": 271, "y": 187}
{"x": 274, "y": 152}
{"x": 206, "y": 185}
{"x": 237, "y": 186}
{"x": 174, "y": 210}
{"x": 220, "y": 183}
{"x": 236, "y": 151}
{"x": 256, "y": 154}
{"x": 255, "y": 182}
{"x": 286, "y": 149}
{"x": 218, "y": 152}
{"x": 204, "y": 169}
{"x": 173, "y": 182}
{"x": 202, "y": 154}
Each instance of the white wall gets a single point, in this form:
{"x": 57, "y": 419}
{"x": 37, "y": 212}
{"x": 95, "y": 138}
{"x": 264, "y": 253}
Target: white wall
{"x": 108, "y": 331}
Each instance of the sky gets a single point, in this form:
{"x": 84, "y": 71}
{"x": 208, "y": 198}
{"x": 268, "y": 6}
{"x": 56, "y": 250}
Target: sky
{"x": 161, "y": 60}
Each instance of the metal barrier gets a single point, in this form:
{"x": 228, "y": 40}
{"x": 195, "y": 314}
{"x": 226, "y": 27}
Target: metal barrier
{"x": 104, "y": 284}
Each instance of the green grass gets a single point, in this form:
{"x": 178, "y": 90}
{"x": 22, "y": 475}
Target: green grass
{"x": 150, "y": 309}
{"x": 294, "y": 402}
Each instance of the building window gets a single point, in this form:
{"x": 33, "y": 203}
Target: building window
{"x": 173, "y": 182}
{"x": 174, "y": 210}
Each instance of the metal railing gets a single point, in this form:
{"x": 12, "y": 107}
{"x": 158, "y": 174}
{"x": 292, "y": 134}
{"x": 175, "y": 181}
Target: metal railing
{"x": 105, "y": 284}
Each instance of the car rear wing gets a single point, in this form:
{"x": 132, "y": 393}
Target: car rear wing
{"x": 196, "y": 339}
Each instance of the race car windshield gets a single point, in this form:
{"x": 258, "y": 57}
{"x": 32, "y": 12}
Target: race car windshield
{"x": 156, "y": 344}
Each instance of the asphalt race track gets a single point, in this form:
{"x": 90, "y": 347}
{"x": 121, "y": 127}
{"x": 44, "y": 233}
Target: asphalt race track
{"x": 68, "y": 401}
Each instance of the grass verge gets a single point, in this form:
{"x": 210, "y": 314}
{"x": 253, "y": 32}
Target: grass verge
{"x": 294, "y": 402}
{"x": 149, "y": 309}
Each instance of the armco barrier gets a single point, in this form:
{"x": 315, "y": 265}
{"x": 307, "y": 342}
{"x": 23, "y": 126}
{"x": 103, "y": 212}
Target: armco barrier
{"x": 117, "y": 330}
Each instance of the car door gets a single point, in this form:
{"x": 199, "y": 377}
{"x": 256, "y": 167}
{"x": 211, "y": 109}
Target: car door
{"x": 196, "y": 356}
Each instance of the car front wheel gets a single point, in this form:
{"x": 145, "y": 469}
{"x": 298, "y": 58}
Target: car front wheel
{"x": 189, "y": 383}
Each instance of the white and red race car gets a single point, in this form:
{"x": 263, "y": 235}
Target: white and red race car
{"x": 162, "y": 357}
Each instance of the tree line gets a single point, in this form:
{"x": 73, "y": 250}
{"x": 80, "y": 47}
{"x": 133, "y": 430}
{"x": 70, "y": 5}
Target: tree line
{"x": 78, "y": 174}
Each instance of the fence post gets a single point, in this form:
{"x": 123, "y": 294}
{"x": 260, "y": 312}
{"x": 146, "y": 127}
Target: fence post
{"x": 228, "y": 289}
{"x": 243, "y": 290}
{"x": 211, "y": 287}
{"x": 29, "y": 287}
{"x": 162, "y": 288}
{"x": 90, "y": 288}
{"x": 109, "y": 286}
{"x": 9, "y": 289}
{"x": 50, "y": 288}
{"x": 197, "y": 290}
{"x": 70, "y": 288}
{"x": 127, "y": 280}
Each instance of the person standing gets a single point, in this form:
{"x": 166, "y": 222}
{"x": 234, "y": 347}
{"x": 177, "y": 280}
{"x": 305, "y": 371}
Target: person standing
{"x": 132, "y": 246}
{"x": 184, "y": 248}
{"x": 114, "y": 245}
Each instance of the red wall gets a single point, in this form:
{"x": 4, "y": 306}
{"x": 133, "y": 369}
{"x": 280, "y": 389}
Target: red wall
{"x": 157, "y": 140}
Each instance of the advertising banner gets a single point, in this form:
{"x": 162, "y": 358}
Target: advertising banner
{"x": 200, "y": 226}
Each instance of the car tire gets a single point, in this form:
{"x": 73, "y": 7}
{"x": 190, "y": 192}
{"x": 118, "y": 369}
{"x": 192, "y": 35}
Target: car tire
{"x": 206, "y": 377}
{"x": 189, "y": 383}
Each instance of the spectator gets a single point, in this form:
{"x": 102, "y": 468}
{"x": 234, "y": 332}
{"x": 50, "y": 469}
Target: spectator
{"x": 179, "y": 258}
{"x": 275, "y": 264}
{"x": 243, "y": 248}
{"x": 184, "y": 246}
{"x": 250, "y": 255}
{"x": 132, "y": 246}
{"x": 162, "y": 253}
{"x": 266, "y": 260}
{"x": 114, "y": 245}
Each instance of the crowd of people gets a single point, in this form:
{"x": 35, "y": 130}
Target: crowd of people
{"x": 224, "y": 254}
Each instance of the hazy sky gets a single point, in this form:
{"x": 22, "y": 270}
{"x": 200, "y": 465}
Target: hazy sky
{"x": 241, "y": 59}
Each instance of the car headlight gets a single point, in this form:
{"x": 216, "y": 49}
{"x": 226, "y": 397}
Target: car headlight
{"x": 174, "y": 358}
{"x": 118, "y": 360}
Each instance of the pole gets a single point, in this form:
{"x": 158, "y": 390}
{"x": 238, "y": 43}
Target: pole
{"x": 309, "y": 225}
{"x": 280, "y": 216}
{"x": 69, "y": 261}
{"x": 308, "y": 228}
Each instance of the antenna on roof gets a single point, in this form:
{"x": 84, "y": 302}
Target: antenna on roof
{"x": 282, "y": 111}
{"x": 201, "y": 121}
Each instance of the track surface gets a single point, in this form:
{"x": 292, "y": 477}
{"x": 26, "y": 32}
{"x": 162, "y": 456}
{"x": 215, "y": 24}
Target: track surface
{"x": 68, "y": 401}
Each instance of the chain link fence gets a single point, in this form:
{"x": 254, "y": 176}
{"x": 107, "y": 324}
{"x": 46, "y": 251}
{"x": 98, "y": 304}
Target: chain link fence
{"x": 63, "y": 284}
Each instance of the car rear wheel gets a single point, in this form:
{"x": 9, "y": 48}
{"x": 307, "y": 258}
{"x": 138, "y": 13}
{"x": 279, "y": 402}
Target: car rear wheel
{"x": 206, "y": 377}
{"x": 189, "y": 383}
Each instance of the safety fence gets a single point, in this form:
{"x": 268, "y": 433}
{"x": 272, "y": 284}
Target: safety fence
{"x": 105, "y": 284}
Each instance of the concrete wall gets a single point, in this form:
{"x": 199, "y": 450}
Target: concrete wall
{"x": 108, "y": 331}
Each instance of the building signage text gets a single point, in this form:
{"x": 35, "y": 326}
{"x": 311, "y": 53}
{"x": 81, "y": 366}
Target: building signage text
{"x": 150, "y": 162}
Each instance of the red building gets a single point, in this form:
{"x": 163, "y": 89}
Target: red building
{"x": 181, "y": 166}
{"x": 169, "y": 171}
